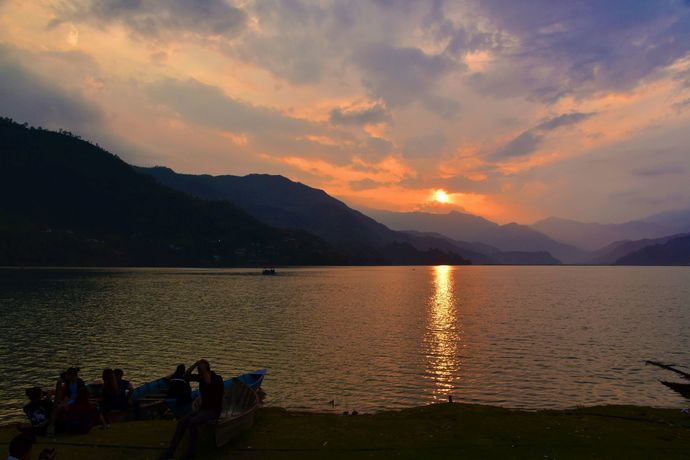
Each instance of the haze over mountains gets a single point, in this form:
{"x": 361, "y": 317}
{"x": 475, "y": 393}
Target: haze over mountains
{"x": 68, "y": 202}
{"x": 283, "y": 203}
{"x": 467, "y": 227}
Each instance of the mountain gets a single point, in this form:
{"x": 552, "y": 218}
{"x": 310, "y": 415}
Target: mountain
{"x": 675, "y": 251}
{"x": 467, "y": 227}
{"x": 592, "y": 235}
{"x": 677, "y": 221}
{"x": 283, "y": 203}
{"x": 485, "y": 254}
{"x": 611, "y": 253}
{"x": 68, "y": 202}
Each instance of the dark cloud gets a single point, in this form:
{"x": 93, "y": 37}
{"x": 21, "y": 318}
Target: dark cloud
{"x": 210, "y": 106}
{"x": 166, "y": 19}
{"x": 401, "y": 76}
{"x": 377, "y": 148}
{"x": 530, "y": 140}
{"x": 268, "y": 130}
{"x": 682, "y": 105}
{"x": 659, "y": 170}
{"x": 582, "y": 46}
{"x": 374, "y": 114}
{"x": 27, "y": 97}
{"x": 427, "y": 146}
{"x": 365, "y": 184}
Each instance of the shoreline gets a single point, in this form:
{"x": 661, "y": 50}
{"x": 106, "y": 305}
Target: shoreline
{"x": 443, "y": 430}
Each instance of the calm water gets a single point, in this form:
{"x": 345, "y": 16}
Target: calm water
{"x": 370, "y": 338}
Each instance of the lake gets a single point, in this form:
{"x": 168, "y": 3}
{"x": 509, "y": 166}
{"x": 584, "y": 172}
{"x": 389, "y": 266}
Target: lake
{"x": 370, "y": 338}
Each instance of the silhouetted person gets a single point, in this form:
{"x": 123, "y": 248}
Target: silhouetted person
{"x": 67, "y": 389}
{"x": 21, "y": 446}
{"x": 73, "y": 412}
{"x": 38, "y": 411}
{"x": 124, "y": 387}
{"x": 110, "y": 395}
{"x": 179, "y": 388}
{"x": 211, "y": 388}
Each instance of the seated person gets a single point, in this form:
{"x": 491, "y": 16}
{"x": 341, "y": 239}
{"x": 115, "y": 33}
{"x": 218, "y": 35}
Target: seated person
{"x": 179, "y": 388}
{"x": 80, "y": 416}
{"x": 21, "y": 446}
{"x": 211, "y": 387}
{"x": 38, "y": 410}
{"x": 124, "y": 389}
{"x": 109, "y": 395}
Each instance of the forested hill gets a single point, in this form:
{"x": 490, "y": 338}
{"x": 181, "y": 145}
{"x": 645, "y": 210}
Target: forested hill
{"x": 68, "y": 202}
{"x": 65, "y": 201}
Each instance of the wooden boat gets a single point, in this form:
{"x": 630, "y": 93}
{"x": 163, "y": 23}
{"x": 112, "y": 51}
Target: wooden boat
{"x": 252, "y": 379}
{"x": 682, "y": 388}
{"x": 240, "y": 403}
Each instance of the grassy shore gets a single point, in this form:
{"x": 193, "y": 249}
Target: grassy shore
{"x": 437, "y": 431}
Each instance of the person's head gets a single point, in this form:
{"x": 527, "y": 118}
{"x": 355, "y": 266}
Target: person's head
{"x": 108, "y": 375}
{"x": 204, "y": 365}
{"x": 34, "y": 394}
{"x": 180, "y": 370}
{"x": 21, "y": 445}
{"x": 72, "y": 374}
{"x": 119, "y": 373}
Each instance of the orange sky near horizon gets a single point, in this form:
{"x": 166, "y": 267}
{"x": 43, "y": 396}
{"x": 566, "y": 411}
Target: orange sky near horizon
{"x": 379, "y": 106}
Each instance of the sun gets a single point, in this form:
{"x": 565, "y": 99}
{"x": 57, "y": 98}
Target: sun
{"x": 441, "y": 196}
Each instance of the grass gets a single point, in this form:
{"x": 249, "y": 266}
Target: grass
{"x": 437, "y": 431}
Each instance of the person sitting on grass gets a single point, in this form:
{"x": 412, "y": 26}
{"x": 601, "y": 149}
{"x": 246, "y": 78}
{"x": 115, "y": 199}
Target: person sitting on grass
{"x": 124, "y": 389}
{"x": 179, "y": 388}
{"x": 21, "y": 446}
{"x": 211, "y": 388}
{"x": 109, "y": 395}
{"x": 38, "y": 410}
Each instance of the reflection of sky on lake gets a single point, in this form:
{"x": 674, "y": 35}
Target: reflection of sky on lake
{"x": 371, "y": 338}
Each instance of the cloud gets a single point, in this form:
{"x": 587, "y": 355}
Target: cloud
{"x": 529, "y": 141}
{"x": 154, "y": 19}
{"x": 425, "y": 146}
{"x": 402, "y": 75}
{"x": 659, "y": 170}
{"x": 27, "y": 97}
{"x": 210, "y": 106}
{"x": 365, "y": 184}
{"x": 581, "y": 47}
{"x": 374, "y": 114}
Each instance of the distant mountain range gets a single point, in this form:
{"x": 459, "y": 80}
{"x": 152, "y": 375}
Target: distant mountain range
{"x": 591, "y": 236}
{"x": 68, "y": 202}
{"x": 675, "y": 251}
{"x": 283, "y": 203}
{"x": 460, "y": 226}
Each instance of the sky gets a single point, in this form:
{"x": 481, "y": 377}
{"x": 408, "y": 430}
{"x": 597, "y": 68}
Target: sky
{"x": 518, "y": 110}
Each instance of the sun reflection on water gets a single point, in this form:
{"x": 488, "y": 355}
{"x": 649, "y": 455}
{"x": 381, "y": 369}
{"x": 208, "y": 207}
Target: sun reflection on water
{"x": 442, "y": 337}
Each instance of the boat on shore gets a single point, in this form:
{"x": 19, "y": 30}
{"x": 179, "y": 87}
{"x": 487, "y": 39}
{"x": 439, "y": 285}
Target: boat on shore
{"x": 240, "y": 403}
{"x": 681, "y": 388}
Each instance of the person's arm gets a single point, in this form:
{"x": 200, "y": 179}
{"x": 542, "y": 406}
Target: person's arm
{"x": 205, "y": 375}
{"x": 188, "y": 374}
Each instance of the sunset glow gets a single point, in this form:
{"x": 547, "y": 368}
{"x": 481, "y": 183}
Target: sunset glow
{"x": 375, "y": 104}
{"x": 441, "y": 196}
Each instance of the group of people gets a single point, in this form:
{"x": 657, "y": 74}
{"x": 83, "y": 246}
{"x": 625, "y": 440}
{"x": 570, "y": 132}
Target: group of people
{"x": 72, "y": 410}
